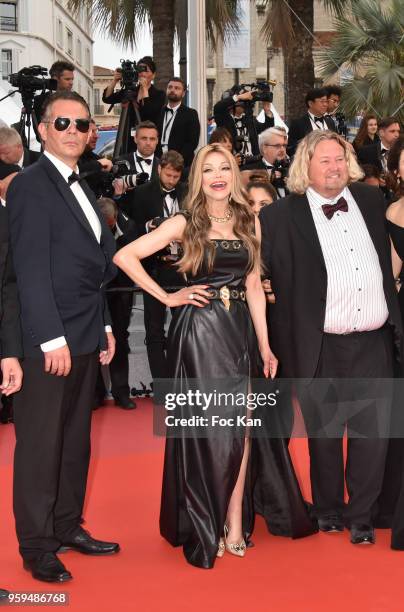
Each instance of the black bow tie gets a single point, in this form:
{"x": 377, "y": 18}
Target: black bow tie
{"x": 267, "y": 165}
{"x": 172, "y": 194}
{"x": 384, "y": 152}
{"x": 169, "y": 110}
{"x": 73, "y": 178}
{"x": 330, "y": 209}
{"x": 142, "y": 159}
{"x": 321, "y": 119}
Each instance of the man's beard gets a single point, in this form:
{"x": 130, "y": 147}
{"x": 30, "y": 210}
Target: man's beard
{"x": 174, "y": 98}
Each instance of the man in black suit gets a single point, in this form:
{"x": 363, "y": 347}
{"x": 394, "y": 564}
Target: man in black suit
{"x": 92, "y": 164}
{"x": 230, "y": 112}
{"x": 377, "y": 154}
{"x": 335, "y": 317}
{"x": 63, "y": 253}
{"x": 144, "y": 103}
{"x": 12, "y": 151}
{"x": 273, "y": 143}
{"x": 120, "y": 308}
{"x": 314, "y": 119}
{"x": 10, "y": 330}
{"x": 178, "y": 126}
{"x": 150, "y": 205}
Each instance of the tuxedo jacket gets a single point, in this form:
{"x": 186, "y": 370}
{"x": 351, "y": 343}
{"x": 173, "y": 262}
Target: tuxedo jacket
{"x": 299, "y": 128}
{"x": 185, "y": 132}
{"x": 61, "y": 268}
{"x": 149, "y": 109}
{"x": 129, "y": 234}
{"x": 29, "y": 158}
{"x": 293, "y": 259}
{"x": 129, "y": 157}
{"x": 10, "y": 330}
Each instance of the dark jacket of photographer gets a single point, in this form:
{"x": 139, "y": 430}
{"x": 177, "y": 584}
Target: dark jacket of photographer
{"x": 149, "y": 108}
{"x": 146, "y": 203}
{"x": 223, "y": 118}
{"x": 88, "y": 162}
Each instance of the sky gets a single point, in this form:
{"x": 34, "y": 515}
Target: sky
{"x": 108, "y": 55}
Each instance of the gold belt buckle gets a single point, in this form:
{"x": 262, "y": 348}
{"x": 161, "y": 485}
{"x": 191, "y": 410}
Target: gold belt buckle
{"x": 225, "y": 297}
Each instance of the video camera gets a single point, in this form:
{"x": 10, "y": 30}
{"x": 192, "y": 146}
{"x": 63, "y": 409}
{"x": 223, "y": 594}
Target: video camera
{"x": 282, "y": 166}
{"x": 31, "y": 79}
{"x": 121, "y": 169}
{"x": 261, "y": 91}
{"x": 130, "y": 76}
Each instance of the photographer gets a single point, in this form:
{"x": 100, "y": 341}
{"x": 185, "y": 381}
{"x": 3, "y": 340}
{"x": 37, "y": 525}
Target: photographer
{"x": 137, "y": 91}
{"x": 92, "y": 163}
{"x": 272, "y": 144}
{"x": 153, "y": 203}
{"x": 63, "y": 74}
{"x": 234, "y": 112}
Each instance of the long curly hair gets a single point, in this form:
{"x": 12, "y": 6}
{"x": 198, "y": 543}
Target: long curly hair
{"x": 195, "y": 241}
{"x": 363, "y": 131}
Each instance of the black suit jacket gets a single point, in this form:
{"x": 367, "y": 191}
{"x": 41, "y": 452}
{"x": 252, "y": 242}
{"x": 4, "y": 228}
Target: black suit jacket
{"x": 129, "y": 234}
{"x": 10, "y": 330}
{"x": 149, "y": 108}
{"x": 129, "y": 157}
{"x": 293, "y": 257}
{"x": 185, "y": 132}
{"x": 371, "y": 154}
{"x": 60, "y": 266}
{"x": 29, "y": 158}
{"x": 299, "y": 128}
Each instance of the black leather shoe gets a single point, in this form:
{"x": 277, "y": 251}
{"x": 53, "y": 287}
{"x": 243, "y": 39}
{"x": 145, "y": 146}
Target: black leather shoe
{"x": 84, "y": 543}
{"x": 362, "y": 534}
{"x": 48, "y": 568}
{"x": 3, "y": 594}
{"x": 125, "y": 402}
{"x": 331, "y": 523}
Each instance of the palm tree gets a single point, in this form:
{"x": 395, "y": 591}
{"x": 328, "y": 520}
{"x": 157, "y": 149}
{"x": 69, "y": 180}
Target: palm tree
{"x": 289, "y": 24}
{"x": 123, "y": 20}
{"x": 369, "y": 44}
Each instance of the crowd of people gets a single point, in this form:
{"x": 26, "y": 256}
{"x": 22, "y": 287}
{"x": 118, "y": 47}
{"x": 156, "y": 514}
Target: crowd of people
{"x": 269, "y": 232}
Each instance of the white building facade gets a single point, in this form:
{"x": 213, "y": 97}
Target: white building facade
{"x": 41, "y": 32}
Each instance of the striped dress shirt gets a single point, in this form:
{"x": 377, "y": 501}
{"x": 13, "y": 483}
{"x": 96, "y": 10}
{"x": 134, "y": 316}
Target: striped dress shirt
{"x": 355, "y": 295}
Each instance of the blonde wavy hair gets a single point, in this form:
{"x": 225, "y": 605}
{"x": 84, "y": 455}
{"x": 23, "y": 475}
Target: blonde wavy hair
{"x": 195, "y": 241}
{"x": 298, "y": 180}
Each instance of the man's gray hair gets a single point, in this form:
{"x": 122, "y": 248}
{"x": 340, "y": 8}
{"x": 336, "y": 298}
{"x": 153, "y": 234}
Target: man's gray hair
{"x": 265, "y": 136}
{"x": 9, "y": 136}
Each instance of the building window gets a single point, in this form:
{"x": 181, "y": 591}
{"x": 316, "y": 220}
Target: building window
{"x": 59, "y": 33}
{"x": 8, "y": 16}
{"x": 69, "y": 43}
{"x": 87, "y": 59}
{"x": 78, "y": 47}
{"x": 6, "y": 63}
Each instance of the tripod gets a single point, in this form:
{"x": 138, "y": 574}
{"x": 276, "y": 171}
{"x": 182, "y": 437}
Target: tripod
{"x": 27, "y": 117}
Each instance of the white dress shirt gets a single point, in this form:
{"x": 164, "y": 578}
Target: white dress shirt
{"x": 167, "y": 125}
{"x": 355, "y": 296}
{"x": 317, "y": 125}
{"x": 143, "y": 166}
{"x": 93, "y": 220}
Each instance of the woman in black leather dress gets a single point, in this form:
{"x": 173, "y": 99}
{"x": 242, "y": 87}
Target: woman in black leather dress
{"x": 218, "y": 331}
{"x": 392, "y": 497}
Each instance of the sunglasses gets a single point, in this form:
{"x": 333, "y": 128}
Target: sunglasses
{"x": 62, "y": 123}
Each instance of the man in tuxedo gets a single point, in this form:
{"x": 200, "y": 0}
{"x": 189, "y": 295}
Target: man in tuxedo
{"x": 10, "y": 330}
{"x": 230, "y": 112}
{"x": 120, "y": 308}
{"x": 151, "y": 204}
{"x": 144, "y": 103}
{"x": 377, "y": 154}
{"x": 273, "y": 143}
{"x": 315, "y": 118}
{"x": 12, "y": 151}
{"x": 335, "y": 317}
{"x": 63, "y": 253}
{"x": 333, "y": 99}
{"x": 178, "y": 126}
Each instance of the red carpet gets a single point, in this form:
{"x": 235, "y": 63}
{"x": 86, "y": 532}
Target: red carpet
{"x": 323, "y": 573}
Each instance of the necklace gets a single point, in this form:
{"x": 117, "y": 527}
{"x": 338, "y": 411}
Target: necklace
{"x": 228, "y": 215}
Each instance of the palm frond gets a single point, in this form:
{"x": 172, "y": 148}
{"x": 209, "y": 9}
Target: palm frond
{"x": 222, "y": 19}
{"x": 277, "y": 28}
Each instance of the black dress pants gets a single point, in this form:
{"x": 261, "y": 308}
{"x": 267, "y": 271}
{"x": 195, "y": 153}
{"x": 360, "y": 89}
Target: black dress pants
{"x": 120, "y": 308}
{"x": 154, "y": 319}
{"x": 352, "y": 389}
{"x": 52, "y": 416}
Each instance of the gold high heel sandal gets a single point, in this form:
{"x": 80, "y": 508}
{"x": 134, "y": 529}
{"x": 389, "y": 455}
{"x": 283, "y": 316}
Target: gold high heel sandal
{"x": 236, "y": 548}
{"x": 220, "y": 548}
